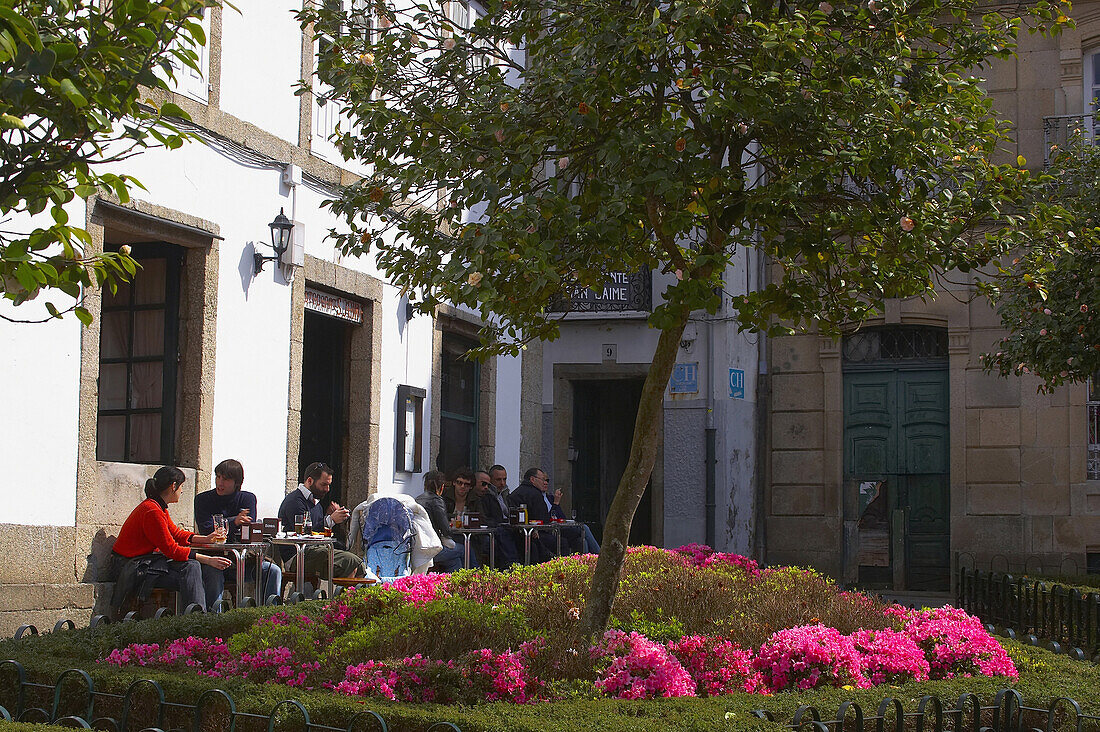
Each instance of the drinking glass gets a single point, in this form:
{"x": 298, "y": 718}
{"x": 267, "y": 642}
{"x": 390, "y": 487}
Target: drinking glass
{"x": 307, "y": 525}
{"x": 221, "y": 528}
{"x": 300, "y": 523}
{"x": 574, "y": 514}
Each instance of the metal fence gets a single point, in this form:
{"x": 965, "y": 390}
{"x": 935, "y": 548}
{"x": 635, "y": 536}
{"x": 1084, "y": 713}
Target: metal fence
{"x": 1007, "y": 713}
{"x": 73, "y": 701}
{"x": 1025, "y": 606}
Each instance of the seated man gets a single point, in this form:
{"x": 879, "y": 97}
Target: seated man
{"x": 306, "y": 499}
{"x": 451, "y": 558}
{"x": 494, "y": 512}
{"x": 532, "y": 494}
{"x": 239, "y": 508}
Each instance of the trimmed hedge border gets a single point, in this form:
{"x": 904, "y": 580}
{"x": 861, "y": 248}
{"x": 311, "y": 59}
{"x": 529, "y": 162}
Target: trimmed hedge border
{"x": 1044, "y": 676}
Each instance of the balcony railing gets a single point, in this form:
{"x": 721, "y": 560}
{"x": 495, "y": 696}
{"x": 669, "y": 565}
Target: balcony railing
{"x": 1059, "y": 129}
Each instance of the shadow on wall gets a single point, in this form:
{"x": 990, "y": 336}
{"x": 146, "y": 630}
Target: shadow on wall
{"x": 99, "y": 557}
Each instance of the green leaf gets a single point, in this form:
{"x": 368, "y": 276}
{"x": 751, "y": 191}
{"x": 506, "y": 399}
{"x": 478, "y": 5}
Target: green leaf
{"x": 9, "y": 122}
{"x": 82, "y": 315}
{"x": 70, "y": 91}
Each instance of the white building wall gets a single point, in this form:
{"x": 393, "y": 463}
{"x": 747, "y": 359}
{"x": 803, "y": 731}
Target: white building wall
{"x": 261, "y": 64}
{"x": 508, "y": 428}
{"x": 40, "y": 394}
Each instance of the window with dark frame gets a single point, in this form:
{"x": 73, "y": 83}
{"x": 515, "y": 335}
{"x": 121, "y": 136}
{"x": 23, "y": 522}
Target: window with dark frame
{"x": 139, "y": 360}
{"x": 460, "y": 398}
{"x": 410, "y": 428}
{"x": 1093, "y": 406}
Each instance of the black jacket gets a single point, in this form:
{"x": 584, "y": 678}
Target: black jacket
{"x": 437, "y": 512}
{"x": 533, "y": 497}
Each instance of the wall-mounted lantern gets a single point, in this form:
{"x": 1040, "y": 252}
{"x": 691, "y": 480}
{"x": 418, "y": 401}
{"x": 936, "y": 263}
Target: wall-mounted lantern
{"x": 281, "y": 229}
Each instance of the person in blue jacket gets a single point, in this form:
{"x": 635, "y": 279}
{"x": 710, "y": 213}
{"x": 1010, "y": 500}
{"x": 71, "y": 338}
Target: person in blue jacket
{"x": 239, "y": 508}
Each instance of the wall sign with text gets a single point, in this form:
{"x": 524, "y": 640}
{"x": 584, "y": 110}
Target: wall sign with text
{"x": 621, "y": 291}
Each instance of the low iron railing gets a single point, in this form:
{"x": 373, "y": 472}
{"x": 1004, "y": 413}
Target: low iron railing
{"x": 1025, "y": 606}
{"x": 74, "y": 701}
{"x": 1007, "y": 713}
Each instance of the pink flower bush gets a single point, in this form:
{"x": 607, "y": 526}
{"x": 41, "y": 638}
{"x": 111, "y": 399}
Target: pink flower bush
{"x": 957, "y": 644}
{"x": 401, "y": 681}
{"x": 308, "y": 647}
{"x": 499, "y": 676}
{"x": 890, "y": 657}
{"x": 639, "y": 668}
{"x": 702, "y": 555}
{"x": 809, "y": 656}
{"x": 717, "y": 666}
{"x": 420, "y": 589}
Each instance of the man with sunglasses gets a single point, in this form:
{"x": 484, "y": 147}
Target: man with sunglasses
{"x": 494, "y": 511}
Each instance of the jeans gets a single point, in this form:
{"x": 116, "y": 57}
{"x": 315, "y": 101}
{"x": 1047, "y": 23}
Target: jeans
{"x": 213, "y": 582}
{"x": 450, "y": 560}
{"x": 186, "y": 579}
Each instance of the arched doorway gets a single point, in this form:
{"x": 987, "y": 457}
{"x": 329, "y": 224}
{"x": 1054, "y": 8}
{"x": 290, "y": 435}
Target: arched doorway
{"x": 896, "y": 455}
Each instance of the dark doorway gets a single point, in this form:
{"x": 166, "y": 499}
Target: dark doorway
{"x": 324, "y": 397}
{"x": 603, "y": 428}
{"x": 897, "y": 455}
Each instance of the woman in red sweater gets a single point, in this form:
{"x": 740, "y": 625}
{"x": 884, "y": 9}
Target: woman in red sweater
{"x": 152, "y": 546}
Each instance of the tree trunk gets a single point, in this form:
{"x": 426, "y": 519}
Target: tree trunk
{"x": 639, "y": 466}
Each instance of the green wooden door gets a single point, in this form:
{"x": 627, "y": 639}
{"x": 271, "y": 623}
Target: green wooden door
{"x": 896, "y": 430}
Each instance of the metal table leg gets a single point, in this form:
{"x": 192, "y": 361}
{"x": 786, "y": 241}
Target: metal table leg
{"x": 466, "y": 551}
{"x": 239, "y": 554}
{"x": 527, "y": 544}
{"x": 331, "y": 555}
{"x": 492, "y": 550}
{"x": 300, "y": 567}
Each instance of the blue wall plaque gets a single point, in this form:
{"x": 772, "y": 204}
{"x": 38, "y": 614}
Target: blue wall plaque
{"x": 737, "y": 384}
{"x": 685, "y": 378}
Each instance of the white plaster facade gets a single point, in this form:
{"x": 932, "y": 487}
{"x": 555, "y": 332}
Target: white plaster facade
{"x": 240, "y": 389}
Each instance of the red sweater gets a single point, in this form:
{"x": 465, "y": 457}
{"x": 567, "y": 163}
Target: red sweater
{"x": 148, "y": 528}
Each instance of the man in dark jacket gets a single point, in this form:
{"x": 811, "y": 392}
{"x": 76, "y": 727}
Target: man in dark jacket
{"x": 494, "y": 510}
{"x": 306, "y": 499}
{"x": 451, "y": 558}
{"x": 532, "y": 493}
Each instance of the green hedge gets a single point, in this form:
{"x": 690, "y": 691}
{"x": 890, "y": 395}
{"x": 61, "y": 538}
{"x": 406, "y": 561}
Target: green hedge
{"x": 25, "y": 727}
{"x": 1083, "y": 583}
{"x": 1043, "y": 676}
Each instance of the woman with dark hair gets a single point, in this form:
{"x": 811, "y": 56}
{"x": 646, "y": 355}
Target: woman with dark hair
{"x": 239, "y": 508}
{"x": 151, "y": 551}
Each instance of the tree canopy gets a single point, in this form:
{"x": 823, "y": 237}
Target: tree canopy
{"x": 72, "y": 74}
{"x": 1048, "y": 293}
{"x": 850, "y": 143}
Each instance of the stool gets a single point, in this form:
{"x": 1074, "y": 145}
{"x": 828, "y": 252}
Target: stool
{"x": 352, "y": 581}
{"x": 158, "y": 598}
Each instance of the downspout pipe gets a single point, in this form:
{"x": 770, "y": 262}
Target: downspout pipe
{"x": 710, "y": 438}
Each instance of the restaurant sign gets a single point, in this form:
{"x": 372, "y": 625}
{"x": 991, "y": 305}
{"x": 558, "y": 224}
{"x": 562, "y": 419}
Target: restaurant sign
{"x": 334, "y": 306}
{"x": 620, "y": 291}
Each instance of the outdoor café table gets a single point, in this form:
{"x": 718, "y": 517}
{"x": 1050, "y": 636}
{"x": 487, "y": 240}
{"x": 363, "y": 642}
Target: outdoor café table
{"x": 469, "y": 531}
{"x": 300, "y": 542}
{"x": 528, "y": 529}
{"x": 239, "y": 552}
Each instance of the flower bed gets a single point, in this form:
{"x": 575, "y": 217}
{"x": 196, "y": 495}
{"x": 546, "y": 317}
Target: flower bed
{"x": 687, "y": 622}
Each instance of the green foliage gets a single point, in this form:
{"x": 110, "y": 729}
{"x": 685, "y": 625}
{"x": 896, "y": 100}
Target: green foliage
{"x": 442, "y": 629}
{"x": 1048, "y": 297}
{"x": 71, "y": 100}
{"x": 660, "y": 628}
{"x": 851, "y": 144}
